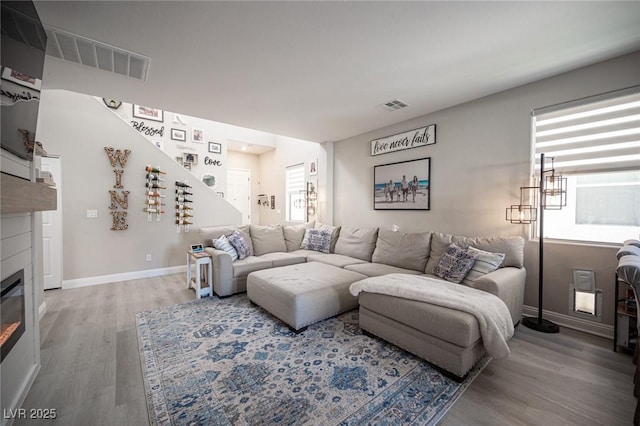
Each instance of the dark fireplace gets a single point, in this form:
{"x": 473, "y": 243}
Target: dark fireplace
{"x": 12, "y": 311}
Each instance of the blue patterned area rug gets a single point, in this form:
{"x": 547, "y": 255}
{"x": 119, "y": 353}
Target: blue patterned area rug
{"x": 227, "y": 362}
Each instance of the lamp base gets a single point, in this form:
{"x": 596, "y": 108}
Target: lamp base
{"x": 545, "y": 326}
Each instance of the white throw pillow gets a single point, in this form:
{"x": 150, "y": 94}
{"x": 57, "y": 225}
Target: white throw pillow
{"x": 223, "y": 244}
{"x": 485, "y": 262}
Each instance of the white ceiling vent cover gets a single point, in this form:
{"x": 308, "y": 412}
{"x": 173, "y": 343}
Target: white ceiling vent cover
{"x": 81, "y": 50}
{"x": 394, "y": 105}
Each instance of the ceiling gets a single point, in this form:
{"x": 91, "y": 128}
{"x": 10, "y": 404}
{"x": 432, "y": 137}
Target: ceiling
{"x": 320, "y": 71}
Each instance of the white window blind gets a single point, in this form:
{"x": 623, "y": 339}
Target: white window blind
{"x": 295, "y": 187}
{"x": 596, "y": 134}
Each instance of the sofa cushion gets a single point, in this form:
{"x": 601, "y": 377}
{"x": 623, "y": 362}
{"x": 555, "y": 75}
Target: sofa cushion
{"x": 240, "y": 244}
{"x": 335, "y": 232}
{"x": 409, "y": 251}
{"x": 357, "y": 242}
{"x": 377, "y": 269}
{"x": 223, "y": 244}
{"x": 455, "y": 263}
{"x": 333, "y": 259}
{"x": 242, "y": 268}
{"x": 317, "y": 240}
{"x": 246, "y": 234}
{"x": 211, "y": 233}
{"x": 485, "y": 263}
{"x": 283, "y": 259}
{"x": 267, "y": 239}
{"x": 293, "y": 235}
{"x": 512, "y": 247}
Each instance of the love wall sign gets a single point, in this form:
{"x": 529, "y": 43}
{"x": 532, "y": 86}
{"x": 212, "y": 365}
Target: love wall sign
{"x": 406, "y": 140}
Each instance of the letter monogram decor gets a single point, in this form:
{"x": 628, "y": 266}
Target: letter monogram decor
{"x": 119, "y": 216}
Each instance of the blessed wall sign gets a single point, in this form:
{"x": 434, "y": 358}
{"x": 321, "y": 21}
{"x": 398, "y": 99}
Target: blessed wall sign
{"x": 406, "y": 140}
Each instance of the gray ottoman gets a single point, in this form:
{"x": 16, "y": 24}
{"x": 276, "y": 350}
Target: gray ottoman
{"x": 303, "y": 294}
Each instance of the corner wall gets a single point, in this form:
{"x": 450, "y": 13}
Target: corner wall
{"x": 481, "y": 158}
{"x": 77, "y": 127}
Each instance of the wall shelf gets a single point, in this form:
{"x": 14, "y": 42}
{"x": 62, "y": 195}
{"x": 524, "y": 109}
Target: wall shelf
{"x": 21, "y": 195}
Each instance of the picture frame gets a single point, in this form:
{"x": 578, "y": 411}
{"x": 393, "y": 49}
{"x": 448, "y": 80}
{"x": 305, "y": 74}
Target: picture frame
{"x": 215, "y": 148}
{"x": 179, "y": 135}
{"x": 220, "y": 194}
{"x": 189, "y": 158}
{"x": 404, "y": 185}
{"x": 148, "y": 113}
{"x": 22, "y": 79}
{"x": 197, "y": 248}
{"x": 197, "y": 135}
{"x": 313, "y": 168}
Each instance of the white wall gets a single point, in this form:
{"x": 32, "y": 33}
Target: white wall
{"x": 481, "y": 158}
{"x": 77, "y": 127}
{"x": 288, "y": 152}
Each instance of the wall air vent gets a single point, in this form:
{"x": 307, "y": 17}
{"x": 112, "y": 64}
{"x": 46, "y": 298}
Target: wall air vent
{"x": 81, "y": 50}
{"x": 394, "y": 105}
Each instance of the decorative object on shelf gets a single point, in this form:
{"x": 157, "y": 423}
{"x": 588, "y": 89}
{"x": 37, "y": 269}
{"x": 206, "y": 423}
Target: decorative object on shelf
{"x": 263, "y": 200}
{"x": 215, "y": 148}
{"x": 112, "y": 103}
{"x": 178, "y": 135}
{"x": 197, "y": 135}
{"x": 31, "y": 144}
{"x": 552, "y": 195}
{"x": 406, "y": 140}
{"x": 189, "y": 158}
{"x": 311, "y": 197}
{"x": 405, "y": 185}
{"x": 117, "y": 156}
{"x": 183, "y": 208}
{"x": 154, "y": 114}
{"x": 153, "y": 203}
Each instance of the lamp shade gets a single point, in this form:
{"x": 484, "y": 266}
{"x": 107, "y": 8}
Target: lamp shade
{"x": 521, "y": 213}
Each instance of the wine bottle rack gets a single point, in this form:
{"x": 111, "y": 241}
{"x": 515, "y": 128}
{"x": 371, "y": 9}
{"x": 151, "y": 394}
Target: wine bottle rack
{"x": 154, "y": 204}
{"x": 184, "y": 208}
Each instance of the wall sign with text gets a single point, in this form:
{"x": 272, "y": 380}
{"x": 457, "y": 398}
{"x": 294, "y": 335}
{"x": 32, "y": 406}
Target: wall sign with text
{"x": 406, "y": 140}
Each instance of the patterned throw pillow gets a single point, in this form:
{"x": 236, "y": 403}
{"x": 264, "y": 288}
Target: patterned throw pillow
{"x": 223, "y": 244}
{"x": 240, "y": 244}
{"x": 317, "y": 239}
{"x": 455, "y": 263}
{"x": 485, "y": 262}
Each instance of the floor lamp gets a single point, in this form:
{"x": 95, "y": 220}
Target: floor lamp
{"x": 552, "y": 195}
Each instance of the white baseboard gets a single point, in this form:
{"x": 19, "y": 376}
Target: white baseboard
{"x": 42, "y": 310}
{"x": 125, "y": 276}
{"x": 591, "y": 327}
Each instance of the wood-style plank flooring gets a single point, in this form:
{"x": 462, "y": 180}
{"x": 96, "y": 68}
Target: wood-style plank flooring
{"x": 91, "y": 370}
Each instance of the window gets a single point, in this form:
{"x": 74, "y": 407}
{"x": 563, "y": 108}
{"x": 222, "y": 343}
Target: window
{"x": 595, "y": 143}
{"x": 295, "y": 190}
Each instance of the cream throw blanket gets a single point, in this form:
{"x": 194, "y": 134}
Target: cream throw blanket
{"x": 492, "y": 314}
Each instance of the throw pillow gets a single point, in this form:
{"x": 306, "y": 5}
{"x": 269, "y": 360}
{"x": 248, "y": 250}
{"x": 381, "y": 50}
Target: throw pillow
{"x": 485, "y": 262}
{"x": 317, "y": 239}
{"x": 223, "y": 244}
{"x": 240, "y": 244}
{"x": 454, "y": 264}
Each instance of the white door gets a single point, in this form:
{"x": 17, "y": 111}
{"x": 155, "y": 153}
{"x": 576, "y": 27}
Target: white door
{"x": 239, "y": 192}
{"x": 52, "y": 230}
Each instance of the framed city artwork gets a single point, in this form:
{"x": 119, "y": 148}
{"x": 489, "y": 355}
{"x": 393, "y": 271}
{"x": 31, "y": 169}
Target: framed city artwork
{"x": 405, "y": 185}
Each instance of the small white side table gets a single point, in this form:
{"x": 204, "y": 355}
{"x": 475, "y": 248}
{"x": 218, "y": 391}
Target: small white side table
{"x": 203, "y": 280}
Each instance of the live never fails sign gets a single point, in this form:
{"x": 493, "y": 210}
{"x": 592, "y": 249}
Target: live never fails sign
{"x": 410, "y": 139}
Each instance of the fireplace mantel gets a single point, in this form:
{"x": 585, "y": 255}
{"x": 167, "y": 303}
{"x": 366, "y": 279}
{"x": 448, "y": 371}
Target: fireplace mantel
{"x": 22, "y": 196}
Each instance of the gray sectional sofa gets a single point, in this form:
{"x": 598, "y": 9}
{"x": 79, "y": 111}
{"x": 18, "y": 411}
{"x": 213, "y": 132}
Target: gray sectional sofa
{"x": 302, "y": 286}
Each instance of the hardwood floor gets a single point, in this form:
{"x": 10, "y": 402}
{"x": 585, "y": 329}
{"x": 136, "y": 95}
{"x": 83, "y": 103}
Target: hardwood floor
{"x": 91, "y": 369}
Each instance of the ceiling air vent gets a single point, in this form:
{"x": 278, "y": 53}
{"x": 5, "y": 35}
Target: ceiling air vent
{"x": 81, "y": 50}
{"x": 394, "y": 105}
